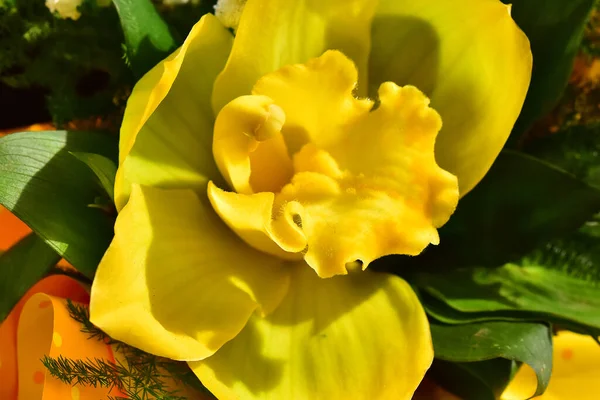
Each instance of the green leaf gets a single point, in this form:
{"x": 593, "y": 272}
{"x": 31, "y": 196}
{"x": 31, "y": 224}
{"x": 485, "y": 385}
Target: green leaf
{"x": 559, "y": 283}
{"x": 512, "y": 287}
{"x": 147, "y": 37}
{"x": 555, "y": 29}
{"x": 521, "y": 203}
{"x": 482, "y": 380}
{"x": 442, "y": 312}
{"x": 104, "y": 168}
{"x": 576, "y": 149}
{"x": 527, "y": 342}
{"x": 512, "y": 297}
{"x": 50, "y": 190}
{"x": 21, "y": 267}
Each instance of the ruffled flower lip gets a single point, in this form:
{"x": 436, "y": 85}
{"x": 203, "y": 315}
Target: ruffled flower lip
{"x": 320, "y": 175}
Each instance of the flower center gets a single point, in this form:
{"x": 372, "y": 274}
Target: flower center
{"x": 319, "y": 175}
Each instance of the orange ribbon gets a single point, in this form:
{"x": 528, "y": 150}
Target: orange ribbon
{"x": 40, "y": 325}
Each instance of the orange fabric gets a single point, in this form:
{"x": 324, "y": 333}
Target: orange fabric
{"x": 11, "y": 229}
{"x": 57, "y": 286}
{"x": 34, "y": 127}
{"x": 45, "y": 328}
{"x": 40, "y": 325}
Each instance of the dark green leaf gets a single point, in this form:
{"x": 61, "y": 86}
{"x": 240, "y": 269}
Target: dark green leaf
{"x": 21, "y": 267}
{"x": 521, "y": 203}
{"x": 50, "y": 190}
{"x": 512, "y": 287}
{"x": 104, "y": 168}
{"x": 483, "y": 380}
{"x": 558, "y": 283}
{"x": 576, "y": 149}
{"x": 147, "y": 36}
{"x": 442, "y": 312}
{"x": 555, "y": 30}
{"x": 527, "y": 342}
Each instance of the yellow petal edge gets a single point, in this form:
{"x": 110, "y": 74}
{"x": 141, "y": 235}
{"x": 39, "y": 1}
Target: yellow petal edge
{"x": 176, "y": 282}
{"x": 471, "y": 59}
{"x": 275, "y": 33}
{"x": 360, "y": 336}
{"x": 166, "y": 136}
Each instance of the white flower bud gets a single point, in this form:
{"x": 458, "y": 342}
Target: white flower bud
{"x": 229, "y": 12}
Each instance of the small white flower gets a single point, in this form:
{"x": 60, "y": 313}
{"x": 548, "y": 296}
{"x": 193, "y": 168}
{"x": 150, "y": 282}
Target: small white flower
{"x": 229, "y": 12}
{"x": 65, "y": 8}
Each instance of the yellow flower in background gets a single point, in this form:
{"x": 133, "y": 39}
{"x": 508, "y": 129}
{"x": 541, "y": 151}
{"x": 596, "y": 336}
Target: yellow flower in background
{"x": 575, "y": 371}
{"x": 259, "y": 176}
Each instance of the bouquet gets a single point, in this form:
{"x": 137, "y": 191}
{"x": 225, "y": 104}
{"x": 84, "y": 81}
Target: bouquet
{"x": 269, "y": 199}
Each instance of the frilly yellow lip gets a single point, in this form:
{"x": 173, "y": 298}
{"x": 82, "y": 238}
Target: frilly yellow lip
{"x": 318, "y": 174}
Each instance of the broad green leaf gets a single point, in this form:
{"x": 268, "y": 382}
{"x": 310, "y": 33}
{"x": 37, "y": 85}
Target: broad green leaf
{"x": 521, "y": 203}
{"x": 482, "y": 380}
{"x": 21, "y": 267}
{"x": 513, "y": 287}
{"x": 555, "y": 30}
{"x": 50, "y": 190}
{"x": 104, "y": 168}
{"x": 442, "y": 312}
{"x": 527, "y": 342}
{"x": 147, "y": 37}
{"x": 558, "y": 283}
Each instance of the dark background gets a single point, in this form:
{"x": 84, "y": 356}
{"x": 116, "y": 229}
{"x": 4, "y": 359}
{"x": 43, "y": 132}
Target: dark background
{"x": 21, "y": 107}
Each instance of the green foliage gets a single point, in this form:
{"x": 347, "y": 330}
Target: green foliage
{"x": 78, "y": 62}
{"x": 140, "y": 376}
{"x": 181, "y": 17}
{"x": 104, "y": 168}
{"x": 575, "y": 149}
{"x": 559, "y": 283}
{"x": 527, "y": 342}
{"x": 82, "y": 65}
{"x": 591, "y": 40}
{"x": 50, "y": 190}
{"x": 147, "y": 36}
{"x": 21, "y": 267}
{"x": 555, "y": 30}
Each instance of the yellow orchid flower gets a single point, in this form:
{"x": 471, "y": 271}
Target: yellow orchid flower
{"x": 257, "y": 180}
{"x": 575, "y": 371}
